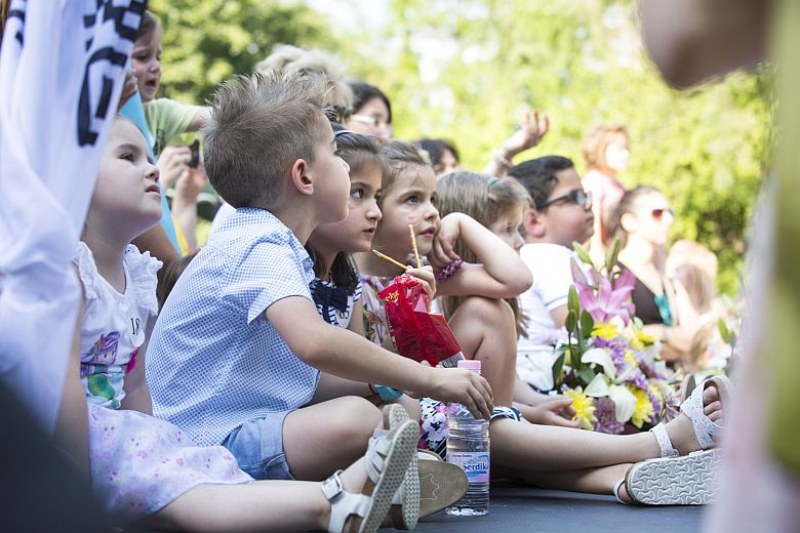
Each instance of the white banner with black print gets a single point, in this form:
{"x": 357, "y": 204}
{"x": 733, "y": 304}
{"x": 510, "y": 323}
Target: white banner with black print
{"x": 62, "y": 66}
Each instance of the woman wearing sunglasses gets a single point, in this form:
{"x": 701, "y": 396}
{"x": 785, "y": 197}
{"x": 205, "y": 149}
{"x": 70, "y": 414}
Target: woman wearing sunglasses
{"x": 642, "y": 221}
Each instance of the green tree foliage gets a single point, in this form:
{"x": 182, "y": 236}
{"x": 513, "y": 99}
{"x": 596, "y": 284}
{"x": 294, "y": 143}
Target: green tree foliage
{"x": 207, "y": 41}
{"x": 463, "y": 69}
{"x": 582, "y": 62}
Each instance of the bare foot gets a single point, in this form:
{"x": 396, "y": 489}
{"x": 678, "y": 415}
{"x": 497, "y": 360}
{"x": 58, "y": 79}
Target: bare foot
{"x": 680, "y": 429}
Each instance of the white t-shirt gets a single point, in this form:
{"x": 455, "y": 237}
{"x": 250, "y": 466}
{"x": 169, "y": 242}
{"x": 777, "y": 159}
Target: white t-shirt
{"x": 552, "y": 278}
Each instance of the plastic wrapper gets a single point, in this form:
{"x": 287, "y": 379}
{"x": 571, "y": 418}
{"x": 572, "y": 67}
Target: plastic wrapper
{"x": 417, "y": 333}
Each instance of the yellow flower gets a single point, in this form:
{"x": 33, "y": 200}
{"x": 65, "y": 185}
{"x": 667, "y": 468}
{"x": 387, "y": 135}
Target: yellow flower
{"x": 641, "y": 339}
{"x": 605, "y": 330}
{"x": 630, "y": 358}
{"x": 643, "y": 409}
{"x": 584, "y": 407}
{"x": 656, "y": 391}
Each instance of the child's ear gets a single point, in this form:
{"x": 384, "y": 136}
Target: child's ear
{"x": 535, "y": 224}
{"x": 300, "y": 178}
{"x": 628, "y": 223}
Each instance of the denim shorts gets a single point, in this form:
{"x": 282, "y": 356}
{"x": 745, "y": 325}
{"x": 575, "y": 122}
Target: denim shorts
{"x": 258, "y": 447}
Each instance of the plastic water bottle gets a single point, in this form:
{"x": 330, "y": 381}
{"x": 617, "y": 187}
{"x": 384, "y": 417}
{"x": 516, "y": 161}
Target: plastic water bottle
{"x": 468, "y": 447}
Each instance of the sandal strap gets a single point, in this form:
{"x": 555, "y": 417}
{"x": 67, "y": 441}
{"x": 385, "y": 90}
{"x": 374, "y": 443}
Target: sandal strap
{"x": 617, "y": 486}
{"x": 343, "y": 504}
{"x": 377, "y": 452}
{"x": 704, "y": 429}
{"x": 664, "y": 442}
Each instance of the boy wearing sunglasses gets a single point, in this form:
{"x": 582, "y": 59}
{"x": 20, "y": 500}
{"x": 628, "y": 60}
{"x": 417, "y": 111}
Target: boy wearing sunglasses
{"x": 560, "y": 214}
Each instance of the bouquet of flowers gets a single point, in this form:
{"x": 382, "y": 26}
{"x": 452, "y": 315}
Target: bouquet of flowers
{"x": 608, "y": 366}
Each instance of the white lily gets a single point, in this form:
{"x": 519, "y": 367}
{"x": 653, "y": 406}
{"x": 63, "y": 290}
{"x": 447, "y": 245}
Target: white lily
{"x": 624, "y": 400}
{"x": 598, "y": 388}
{"x": 602, "y": 357}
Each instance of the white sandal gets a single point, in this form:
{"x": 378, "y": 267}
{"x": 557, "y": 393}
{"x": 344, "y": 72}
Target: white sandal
{"x": 690, "y": 479}
{"x": 386, "y": 460}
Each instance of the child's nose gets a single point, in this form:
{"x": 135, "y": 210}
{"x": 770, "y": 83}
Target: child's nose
{"x": 153, "y": 173}
{"x": 432, "y": 212}
{"x": 373, "y": 211}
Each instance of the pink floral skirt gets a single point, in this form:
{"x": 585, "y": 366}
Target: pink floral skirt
{"x": 141, "y": 463}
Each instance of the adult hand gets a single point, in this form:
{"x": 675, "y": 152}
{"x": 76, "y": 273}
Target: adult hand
{"x": 173, "y": 163}
{"x": 191, "y": 182}
{"x": 128, "y": 89}
{"x": 532, "y": 130}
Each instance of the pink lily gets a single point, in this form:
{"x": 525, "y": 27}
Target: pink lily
{"x": 610, "y": 299}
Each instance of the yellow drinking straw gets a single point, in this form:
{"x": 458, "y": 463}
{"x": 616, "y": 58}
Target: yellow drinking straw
{"x": 414, "y": 245}
{"x": 392, "y": 261}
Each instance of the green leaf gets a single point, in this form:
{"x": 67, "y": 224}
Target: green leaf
{"x": 586, "y": 374}
{"x": 558, "y": 368}
{"x": 582, "y": 253}
{"x": 587, "y": 324}
{"x": 724, "y": 332}
{"x": 611, "y": 256}
{"x": 573, "y": 302}
{"x": 571, "y": 323}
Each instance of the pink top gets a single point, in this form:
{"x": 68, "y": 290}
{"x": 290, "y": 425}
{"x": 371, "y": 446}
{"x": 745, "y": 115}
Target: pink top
{"x": 606, "y": 193}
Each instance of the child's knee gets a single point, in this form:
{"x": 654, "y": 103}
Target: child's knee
{"x": 494, "y": 313}
{"x": 354, "y": 420}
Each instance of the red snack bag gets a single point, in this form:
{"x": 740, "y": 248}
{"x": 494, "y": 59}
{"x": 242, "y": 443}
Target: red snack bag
{"x": 417, "y": 333}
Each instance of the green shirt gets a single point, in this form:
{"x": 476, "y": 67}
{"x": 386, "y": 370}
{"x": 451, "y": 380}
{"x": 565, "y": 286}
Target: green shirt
{"x": 167, "y": 119}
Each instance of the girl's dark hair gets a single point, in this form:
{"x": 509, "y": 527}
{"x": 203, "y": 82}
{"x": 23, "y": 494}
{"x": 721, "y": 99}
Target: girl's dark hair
{"x": 625, "y": 206}
{"x": 358, "y": 151}
{"x": 169, "y": 276}
{"x": 538, "y": 176}
{"x": 436, "y": 148}
{"x": 364, "y": 92}
{"x": 149, "y": 24}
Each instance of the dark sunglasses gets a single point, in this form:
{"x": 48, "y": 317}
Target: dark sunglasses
{"x": 658, "y": 214}
{"x": 575, "y": 196}
{"x": 338, "y": 114}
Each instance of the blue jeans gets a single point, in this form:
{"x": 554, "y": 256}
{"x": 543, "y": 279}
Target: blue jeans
{"x": 258, "y": 447}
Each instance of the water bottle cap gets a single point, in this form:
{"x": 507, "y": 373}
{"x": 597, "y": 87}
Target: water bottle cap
{"x": 472, "y": 365}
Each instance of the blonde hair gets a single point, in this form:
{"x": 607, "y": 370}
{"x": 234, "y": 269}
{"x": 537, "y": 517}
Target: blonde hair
{"x": 484, "y": 198}
{"x": 286, "y": 59}
{"x": 695, "y": 266}
{"x": 596, "y": 142}
{"x": 259, "y": 126}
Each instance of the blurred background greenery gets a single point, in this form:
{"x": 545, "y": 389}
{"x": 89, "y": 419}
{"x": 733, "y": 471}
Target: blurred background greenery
{"x": 466, "y": 70}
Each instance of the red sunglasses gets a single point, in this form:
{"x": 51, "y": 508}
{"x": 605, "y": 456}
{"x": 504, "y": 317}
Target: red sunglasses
{"x": 658, "y": 214}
